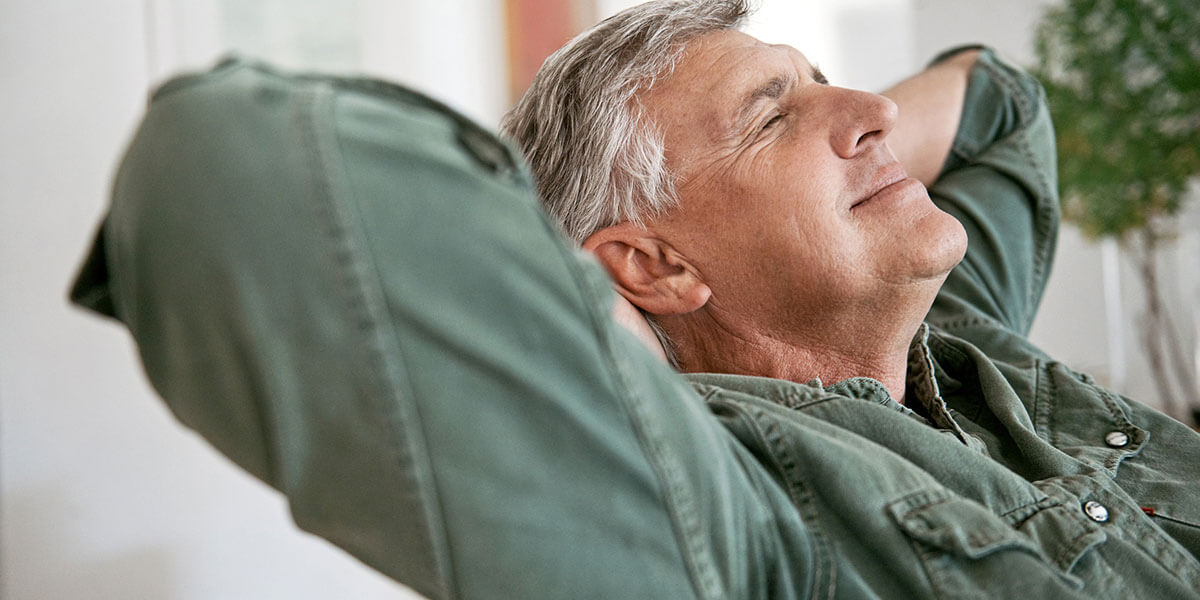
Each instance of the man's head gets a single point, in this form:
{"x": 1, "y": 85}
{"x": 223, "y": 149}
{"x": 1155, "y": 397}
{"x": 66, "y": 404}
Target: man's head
{"x": 597, "y": 159}
{"x": 748, "y": 200}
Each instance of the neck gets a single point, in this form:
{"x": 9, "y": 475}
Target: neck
{"x": 709, "y": 341}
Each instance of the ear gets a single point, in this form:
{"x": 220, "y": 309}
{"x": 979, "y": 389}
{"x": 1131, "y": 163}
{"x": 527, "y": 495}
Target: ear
{"x": 647, "y": 271}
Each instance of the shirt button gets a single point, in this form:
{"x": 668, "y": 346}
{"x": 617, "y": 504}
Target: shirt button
{"x": 1095, "y": 511}
{"x": 1116, "y": 439}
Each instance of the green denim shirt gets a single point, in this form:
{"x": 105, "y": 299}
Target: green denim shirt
{"x": 351, "y": 292}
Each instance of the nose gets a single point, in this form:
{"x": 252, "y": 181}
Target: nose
{"x": 862, "y": 121}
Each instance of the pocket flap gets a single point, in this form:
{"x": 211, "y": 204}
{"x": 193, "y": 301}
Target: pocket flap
{"x": 955, "y": 524}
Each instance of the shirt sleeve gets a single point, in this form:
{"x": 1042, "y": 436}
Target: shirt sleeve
{"x": 1000, "y": 182}
{"x": 350, "y": 290}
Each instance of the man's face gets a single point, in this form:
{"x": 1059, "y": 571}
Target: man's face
{"x": 792, "y": 207}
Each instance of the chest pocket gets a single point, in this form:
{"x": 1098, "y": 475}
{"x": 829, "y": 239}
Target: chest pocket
{"x": 1152, "y": 457}
{"x": 970, "y": 552}
{"x": 1084, "y": 420}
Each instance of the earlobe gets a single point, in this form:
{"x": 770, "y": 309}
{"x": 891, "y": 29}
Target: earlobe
{"x": 647, "y": 271}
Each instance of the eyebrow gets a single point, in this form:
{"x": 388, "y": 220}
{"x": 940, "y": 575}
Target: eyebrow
{"x": 773, "y": 89}
{"x": 818, "y": 76}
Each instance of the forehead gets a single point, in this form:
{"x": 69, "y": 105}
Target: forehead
{"x": 721, "y": 58}
{"x": 714, "y": 76}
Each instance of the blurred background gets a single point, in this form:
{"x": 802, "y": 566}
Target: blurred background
{"x": 104, "y": 495}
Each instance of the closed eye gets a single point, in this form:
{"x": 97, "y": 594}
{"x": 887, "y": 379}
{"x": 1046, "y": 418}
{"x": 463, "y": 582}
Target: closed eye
{"x": 772, "y": 121}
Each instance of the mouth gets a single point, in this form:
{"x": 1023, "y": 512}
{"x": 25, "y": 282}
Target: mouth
{"x": 887, "y": 179}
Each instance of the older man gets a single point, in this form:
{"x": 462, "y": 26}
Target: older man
{"x": 786, "y": 239}
{"x": 349, "y": 290}
{"x": 769, "y": 224}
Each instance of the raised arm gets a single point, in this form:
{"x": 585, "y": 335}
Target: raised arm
{"x": 350, "y": 291}
{"x": 999, "y": 180}
{"x": 930, "y": 107}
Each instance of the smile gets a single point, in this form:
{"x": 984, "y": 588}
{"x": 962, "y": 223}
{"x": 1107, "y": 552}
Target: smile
{"x": 894, "y": 187}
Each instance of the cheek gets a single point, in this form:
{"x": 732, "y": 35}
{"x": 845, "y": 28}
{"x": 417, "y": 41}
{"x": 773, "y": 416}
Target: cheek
{"x": 795, "y": 236}
{"x": 769, "y": 217}
{"x": 809, "y": 258}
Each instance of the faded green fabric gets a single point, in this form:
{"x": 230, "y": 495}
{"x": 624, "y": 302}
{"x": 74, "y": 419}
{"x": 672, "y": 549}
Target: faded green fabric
{"x": 351, "y": 292}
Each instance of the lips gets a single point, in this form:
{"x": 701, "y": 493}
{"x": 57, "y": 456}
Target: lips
{"x": 890, "y": 176}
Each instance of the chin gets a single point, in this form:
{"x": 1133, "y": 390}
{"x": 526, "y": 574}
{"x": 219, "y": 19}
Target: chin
{"x": 952, "y": 244}
{"x": 942, "y": 245}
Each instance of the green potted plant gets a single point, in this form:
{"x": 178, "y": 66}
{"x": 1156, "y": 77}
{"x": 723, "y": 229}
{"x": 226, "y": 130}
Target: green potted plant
{"x": 1123, "y": 81}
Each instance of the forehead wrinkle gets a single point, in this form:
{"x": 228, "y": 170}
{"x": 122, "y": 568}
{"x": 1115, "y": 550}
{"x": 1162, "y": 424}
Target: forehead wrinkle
{"x": 773, "y": 89}
{"x": 732, "y": 72}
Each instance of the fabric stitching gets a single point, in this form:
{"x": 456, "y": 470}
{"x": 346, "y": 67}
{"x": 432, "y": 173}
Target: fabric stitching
{"x": 355, "y": 266}
{"x": 826, "y": 569}
{"x": 680, "y": 506}
{"x": 1044, "y": 211}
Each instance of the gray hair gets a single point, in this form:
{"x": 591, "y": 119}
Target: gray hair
{"x": 596, "y": 159}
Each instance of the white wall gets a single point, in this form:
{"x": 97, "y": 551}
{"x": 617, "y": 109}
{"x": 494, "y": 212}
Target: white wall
{"x": 450, "y": 49}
